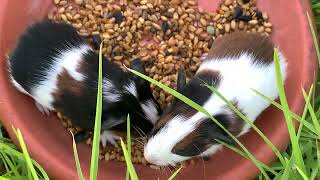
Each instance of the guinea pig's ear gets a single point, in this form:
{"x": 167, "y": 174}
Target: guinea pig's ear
{"x": 181, "y": 79}
{"x": 137, "y": 65}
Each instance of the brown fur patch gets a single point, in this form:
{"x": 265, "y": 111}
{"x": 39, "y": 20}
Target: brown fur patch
{"x": 83, "y": 67}
{"x": 186, "y": 141}
{"x": 212, "y": 75}
{"x": 66, "y": 83}
{"x": 234, "y": 44}
{"x": 180, "y": 109}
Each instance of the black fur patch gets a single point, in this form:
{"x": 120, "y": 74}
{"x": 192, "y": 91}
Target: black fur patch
{"x": 127, "y": 104}
{"x": 36, "y": 48}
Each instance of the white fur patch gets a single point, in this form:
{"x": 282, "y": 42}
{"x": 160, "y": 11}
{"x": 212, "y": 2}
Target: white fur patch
{"x": 213, "y": 149}
{"x": 238, "y": 80}
{"x": 150, "y": 110}
{"x": 239, "y": 77}
{"x": 68, "y": 59}
{"x": 158, "y": 148}
{"x": 109, "y": 91}
{"x": 132, "y": 89}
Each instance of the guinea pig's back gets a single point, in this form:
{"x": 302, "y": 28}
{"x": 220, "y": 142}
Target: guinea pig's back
{"x": 244, "y": 62}
{"x": 45, "y": 50}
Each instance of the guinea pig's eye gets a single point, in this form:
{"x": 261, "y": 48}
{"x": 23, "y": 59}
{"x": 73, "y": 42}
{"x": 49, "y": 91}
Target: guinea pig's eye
{"x": 192, "y": 147}
{"x": 202, "y": 138}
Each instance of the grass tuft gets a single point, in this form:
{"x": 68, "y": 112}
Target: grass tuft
{"x": 26, "y": 154}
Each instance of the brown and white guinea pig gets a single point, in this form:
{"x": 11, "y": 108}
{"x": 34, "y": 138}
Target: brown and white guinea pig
{"x": 236, "y": 64}
{"x": 57, "y": 68}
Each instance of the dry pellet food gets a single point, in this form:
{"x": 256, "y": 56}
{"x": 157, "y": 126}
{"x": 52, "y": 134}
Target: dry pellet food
{"x": 165, "y": 34}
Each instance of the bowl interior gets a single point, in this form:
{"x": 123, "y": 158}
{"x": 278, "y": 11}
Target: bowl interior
{"x": 51, "y": 145}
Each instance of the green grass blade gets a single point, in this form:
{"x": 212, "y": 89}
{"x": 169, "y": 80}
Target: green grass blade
{"x": 13, "y": 152}
{"x": 308, "y": 153}
{"x": 243, "y": 117}
{"x": 236, "y": 150}
{"x": 305, "y": 110}
{"x": 97, "y": 125}
{"x": 315, "y": 41}
{"x": 1, "y": 134}
{"x": 308, "y": 135}
{"x": 172, "y": 92}
{"x": 10, "y": 164}
{"x": 128, "y": 143}
{"x": 19, "y": 168}
{"x": 318, "y": 153}
{"x": 287, "y": 171}
{"x": 76, "y": 158}
{"x": 9, "y": 174}
{"x": 304, "y": 176}
{"x": 283, "y": 99}
{"x": 314, "y": 173}
{"x": 293, "y": 115}
{"x": 130, "y": 167}
{"x": 202, "y": 110}
{"x": 3, "y": 178}
{"x": 312, "y": 113}
{"x": 316, "y": 6}
{"x": 5, "y": 163}
{"x": 174, "y": 174}
{"x": 16, "y": 177}
{"x": 26, "y": 154}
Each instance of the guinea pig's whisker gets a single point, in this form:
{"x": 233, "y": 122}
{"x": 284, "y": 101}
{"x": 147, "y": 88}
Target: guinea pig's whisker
{"x": 158, "y": 172}
{"x": 139, "y": 131}
{"x": 142, "y": 115}
{"x": 202, "y": 160}
{"x": 165, "y": 170}
{"x": 140, "y": 142}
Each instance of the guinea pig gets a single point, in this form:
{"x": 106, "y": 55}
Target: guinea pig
{"x": 56, "y": 67}
{"x": 236, "y": 64}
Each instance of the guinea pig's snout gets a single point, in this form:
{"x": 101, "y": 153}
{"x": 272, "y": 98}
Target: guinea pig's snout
{"x": 155, "y": 154}
{"x": 150, "y": 157}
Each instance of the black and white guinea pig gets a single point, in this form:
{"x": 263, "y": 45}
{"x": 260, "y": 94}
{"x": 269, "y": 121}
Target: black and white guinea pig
{"x": 236, "y": 64}
{"x": 57, "y": 68}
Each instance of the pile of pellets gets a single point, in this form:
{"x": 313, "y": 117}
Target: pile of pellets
{"x": 164, "y": 34}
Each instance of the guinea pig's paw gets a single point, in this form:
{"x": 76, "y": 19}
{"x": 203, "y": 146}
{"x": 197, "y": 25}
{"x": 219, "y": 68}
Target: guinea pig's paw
{"x": 109, "y": 136}
{"x": 203, "y": 57}
{"x": 42, "y": 109}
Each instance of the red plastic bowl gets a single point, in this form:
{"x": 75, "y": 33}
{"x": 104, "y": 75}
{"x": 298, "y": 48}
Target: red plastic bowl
{"x": 50, "y": 144}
